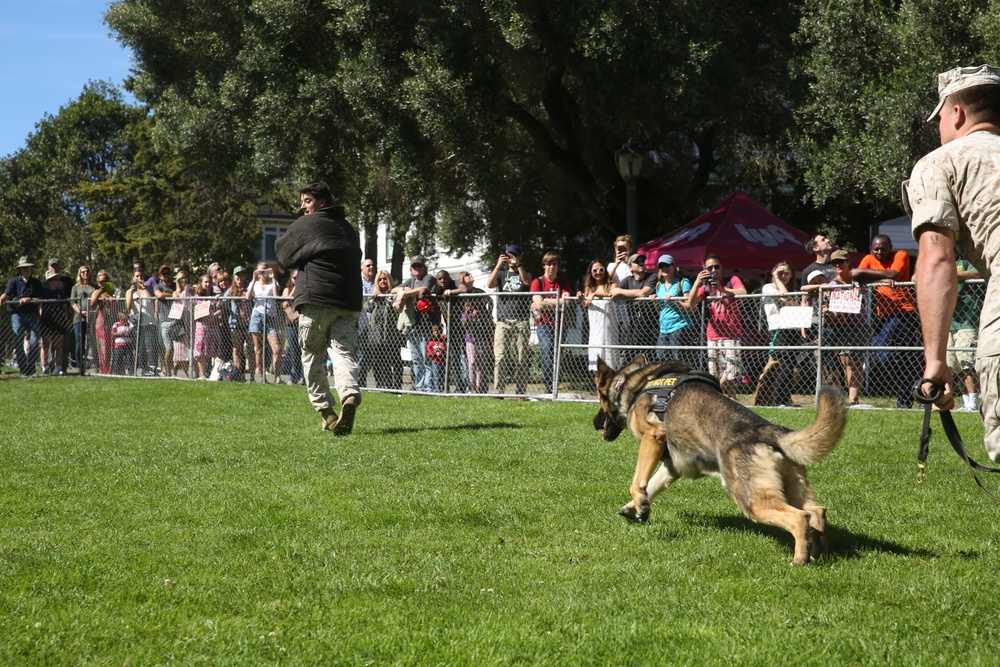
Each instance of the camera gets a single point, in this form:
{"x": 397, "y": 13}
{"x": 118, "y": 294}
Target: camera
{"x": 262, "y": 272}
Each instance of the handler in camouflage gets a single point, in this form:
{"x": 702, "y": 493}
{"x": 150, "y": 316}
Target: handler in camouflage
{"x": 953, "y": 198}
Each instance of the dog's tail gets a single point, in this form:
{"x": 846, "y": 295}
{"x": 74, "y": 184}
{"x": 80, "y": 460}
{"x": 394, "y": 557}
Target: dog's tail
{"x": 819, "y": 438}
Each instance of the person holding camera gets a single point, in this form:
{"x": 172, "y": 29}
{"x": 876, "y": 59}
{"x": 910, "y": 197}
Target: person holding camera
{"x": 141, "y": 302}
{"x": 723, "y": 328}
{"x": 264, "y": 319}
{"x": 512, "y": 281}
{"x": 618, "y": 271}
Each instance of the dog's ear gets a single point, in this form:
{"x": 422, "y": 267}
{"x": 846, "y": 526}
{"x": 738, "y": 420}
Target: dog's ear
{"x": 603, "y": 368}
{"x": 640, "y": 360}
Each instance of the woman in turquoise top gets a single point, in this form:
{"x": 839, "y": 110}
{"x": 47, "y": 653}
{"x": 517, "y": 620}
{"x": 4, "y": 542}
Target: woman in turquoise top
{"x": 675, "y": 325}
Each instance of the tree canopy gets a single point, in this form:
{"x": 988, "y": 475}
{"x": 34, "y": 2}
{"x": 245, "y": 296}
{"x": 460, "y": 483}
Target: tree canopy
{"x": 89, "y": 187}
{"x": 871, "y": 69}
{"x": 463, "y": 126}
{"x": 480, "y": 121}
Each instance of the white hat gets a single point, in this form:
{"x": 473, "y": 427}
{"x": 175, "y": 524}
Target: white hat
{"x": 961, "y": 78}
{"x": 814, "y": 274}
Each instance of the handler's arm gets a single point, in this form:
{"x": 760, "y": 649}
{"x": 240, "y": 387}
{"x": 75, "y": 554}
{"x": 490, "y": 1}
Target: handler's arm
{"x": 937, "y": 287}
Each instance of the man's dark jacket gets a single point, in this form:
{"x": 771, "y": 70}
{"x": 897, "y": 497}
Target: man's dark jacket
{"x": 325, "y": 249}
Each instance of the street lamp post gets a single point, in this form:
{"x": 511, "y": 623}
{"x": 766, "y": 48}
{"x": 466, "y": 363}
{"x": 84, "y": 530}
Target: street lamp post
{"x": 629, "y": 161}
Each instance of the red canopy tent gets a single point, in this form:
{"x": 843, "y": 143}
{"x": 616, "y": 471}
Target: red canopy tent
{"x": 742, "y": 233}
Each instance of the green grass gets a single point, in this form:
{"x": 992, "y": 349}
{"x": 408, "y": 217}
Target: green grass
{"x": 149, "y": 523}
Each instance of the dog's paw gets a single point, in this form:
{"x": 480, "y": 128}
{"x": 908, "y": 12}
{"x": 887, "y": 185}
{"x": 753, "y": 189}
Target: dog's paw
{"x": 628, "y": 511}
{"x": 818, "y": 546}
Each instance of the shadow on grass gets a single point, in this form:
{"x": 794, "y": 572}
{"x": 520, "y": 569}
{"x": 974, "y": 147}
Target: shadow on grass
{"x": 447, "y": 427}
{"x": 842, "y": 543}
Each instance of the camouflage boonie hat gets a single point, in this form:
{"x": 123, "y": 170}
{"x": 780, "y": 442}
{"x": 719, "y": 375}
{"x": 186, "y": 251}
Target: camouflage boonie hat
{"x": 960, "y": 78}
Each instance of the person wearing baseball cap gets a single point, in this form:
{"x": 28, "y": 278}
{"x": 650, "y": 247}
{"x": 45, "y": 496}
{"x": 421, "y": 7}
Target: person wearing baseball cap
{"x": 847, "y": 330}
{"x": 953, "y": 200}
{"x": 674, "y": 322}
{"x": 19, "y": 299}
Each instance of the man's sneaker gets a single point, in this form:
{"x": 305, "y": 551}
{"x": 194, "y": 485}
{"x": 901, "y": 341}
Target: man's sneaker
{"x": 346, "y": 422}
{"x": 329, "y": 419}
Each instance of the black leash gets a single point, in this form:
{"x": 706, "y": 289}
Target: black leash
{"x": 937, "y": 388}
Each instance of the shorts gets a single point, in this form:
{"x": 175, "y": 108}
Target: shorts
{"x": 989, "y": 403}
{"x": 723, "y": 360}
{"x": 836, "y": 335}
{"x": 962, "y": 360}
{"x": 171, "y": 331}
{"x": 257, "y": 324}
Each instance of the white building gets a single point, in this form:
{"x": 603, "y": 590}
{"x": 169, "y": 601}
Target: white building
{"x": 275, "y": 222}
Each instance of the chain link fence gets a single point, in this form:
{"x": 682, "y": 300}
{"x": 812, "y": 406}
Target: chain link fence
{"x": 775, "y": 350}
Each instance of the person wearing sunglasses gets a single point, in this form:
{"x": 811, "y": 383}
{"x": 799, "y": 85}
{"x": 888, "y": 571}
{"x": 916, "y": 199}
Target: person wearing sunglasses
{"x": 595, "y": 301}
{"x": 723, "y": 328}
{"x": 675, "y": 324}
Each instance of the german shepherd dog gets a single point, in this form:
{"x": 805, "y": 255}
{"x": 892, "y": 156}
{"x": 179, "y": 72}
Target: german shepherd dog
{"x": 699, "y": 431}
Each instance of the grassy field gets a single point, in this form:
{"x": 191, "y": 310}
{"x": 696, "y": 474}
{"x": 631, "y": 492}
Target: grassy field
{"x": 148, "y": 523}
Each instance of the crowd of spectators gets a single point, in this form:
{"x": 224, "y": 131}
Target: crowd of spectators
{"x": 162, "y": 325}
{"x": 239, "y": 325}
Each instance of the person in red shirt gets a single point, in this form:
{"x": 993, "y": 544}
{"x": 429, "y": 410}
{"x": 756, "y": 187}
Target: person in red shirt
{"x": 550, "y": 290}
{"x": 897, "y": 323}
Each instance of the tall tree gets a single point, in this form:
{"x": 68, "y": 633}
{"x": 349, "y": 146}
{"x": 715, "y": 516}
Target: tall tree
{"x": 43, "y": 205}
{"x": 871, "y": 68}
{"x": 89, "y": 186}
{"x": 479, "y": 121}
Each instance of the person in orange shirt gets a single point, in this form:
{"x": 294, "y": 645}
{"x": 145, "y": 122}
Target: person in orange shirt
{"x": 897, "y": 322}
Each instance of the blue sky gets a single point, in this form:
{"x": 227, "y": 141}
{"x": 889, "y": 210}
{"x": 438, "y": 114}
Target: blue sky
{"x": 49, "y": 49}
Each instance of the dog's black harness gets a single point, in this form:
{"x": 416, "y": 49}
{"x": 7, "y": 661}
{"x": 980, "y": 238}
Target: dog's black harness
{"x": 663, "y": 387}
{"x": 934, "y": 393}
